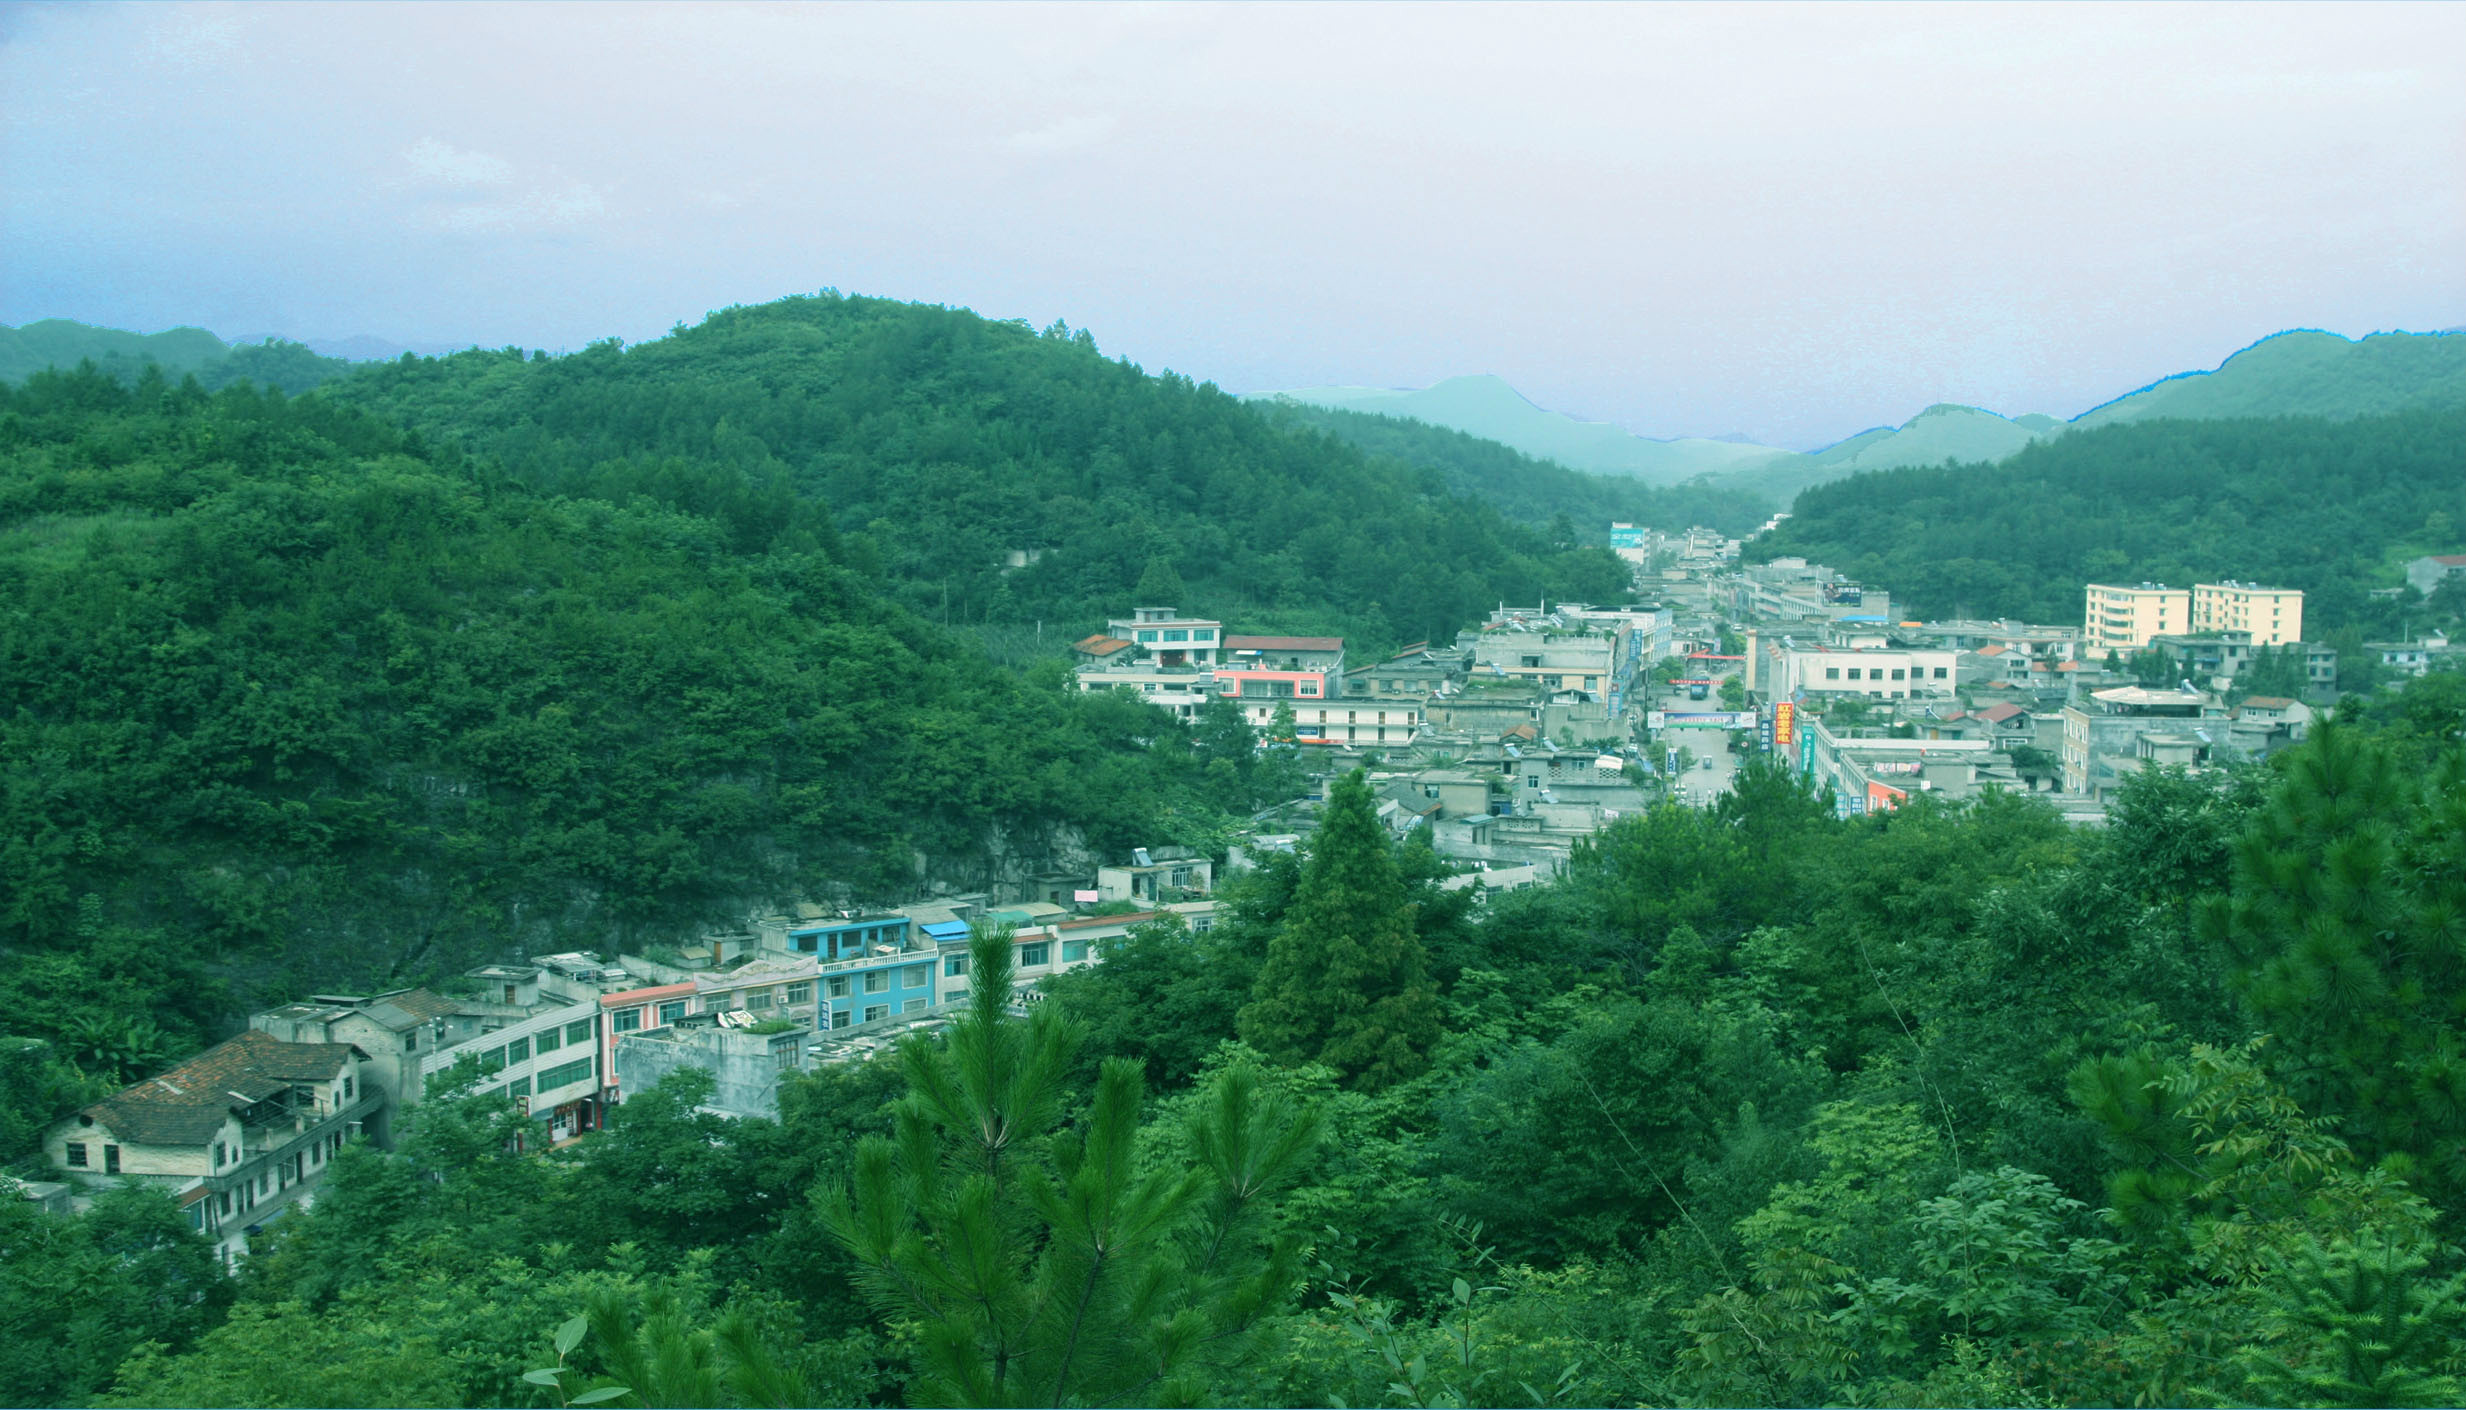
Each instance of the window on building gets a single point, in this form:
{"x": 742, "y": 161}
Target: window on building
{"x": 800, "y": 992}
{"x": 627, "y": 1020}
{"x": 1853, "y": 673}
{"x": 218, "y": 1155}
{"x": 578, "y": 1031}
{"x": 518, "y": 1050}
{"x": 1899, "y": 674}
{"x": 758, "y": 999}
{"x": 565, "y": 1074}
{"x": 550, "y": 1039}
{"x": 915, "y": 1005}
{"x": 839, "y": 986}
{"x": 76, "y": 1155}
{"x": 955, "y": 996}
{"x": 111, "y": 1159}
{"x": 877, "y": 981}
{"x": 1939, "y": 673}
{"x": 492, "y": 1060}
{"x": 1832, "y": 673}
{"x": 1073, "y": 951}
{"x": 411, "y": 1041}
{"x": 916, "y": 976}
{"x": 954, "y": 966}
{"x": 875, "y": 1013}
{"x": 1035, "y": 954}
{"x": 670, "y": 1012}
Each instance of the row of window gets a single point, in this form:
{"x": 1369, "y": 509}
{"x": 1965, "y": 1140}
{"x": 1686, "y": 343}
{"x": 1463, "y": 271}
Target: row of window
{"x": 1916, "y": 673}
{"x": 1197, "y": 635}
{"x": 565, "y": 1074}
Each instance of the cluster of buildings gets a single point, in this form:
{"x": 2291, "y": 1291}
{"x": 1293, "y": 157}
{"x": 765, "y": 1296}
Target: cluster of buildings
{"x": 1957, "y": 707}
{"x": 242, "y": 1133}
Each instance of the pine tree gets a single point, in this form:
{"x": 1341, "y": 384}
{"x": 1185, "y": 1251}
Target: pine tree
{"x": 1160, "y": 585}
{"x": 1347, "y": 982}
{"x": 1052, "y": 1266}
{"x": 2345, "y": 934}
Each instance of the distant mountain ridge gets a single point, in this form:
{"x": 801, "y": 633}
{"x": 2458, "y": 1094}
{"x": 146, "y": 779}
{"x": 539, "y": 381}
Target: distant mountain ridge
{"x": 2301, "y": 372}
{"x": 62, "y": 343}
{"x": 1486, "y": 406}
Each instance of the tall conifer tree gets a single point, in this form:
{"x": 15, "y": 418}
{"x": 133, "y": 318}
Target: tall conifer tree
{"x": 1347, "y": 982}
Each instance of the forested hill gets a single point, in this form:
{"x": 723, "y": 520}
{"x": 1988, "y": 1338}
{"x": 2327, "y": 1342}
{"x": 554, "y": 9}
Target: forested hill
{"x": 1526, "y": 489}
{"x": 2332, "y": 507}
{"x": 293, "y": 699}
{"x": 941, "y": 442}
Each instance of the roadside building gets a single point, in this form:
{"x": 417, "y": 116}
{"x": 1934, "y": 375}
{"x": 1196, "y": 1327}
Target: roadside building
{"x": 396, "y": 1031}
{"x": 237, "y": 1135}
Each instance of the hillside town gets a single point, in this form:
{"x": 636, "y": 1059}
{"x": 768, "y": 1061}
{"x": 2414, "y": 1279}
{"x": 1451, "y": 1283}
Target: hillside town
{"x": 1530, "y": 731}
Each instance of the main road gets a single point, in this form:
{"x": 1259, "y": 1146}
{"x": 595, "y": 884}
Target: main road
{"x": 1699, "y": 786}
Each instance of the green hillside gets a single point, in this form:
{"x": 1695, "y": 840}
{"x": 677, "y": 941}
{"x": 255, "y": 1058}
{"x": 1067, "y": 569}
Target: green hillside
{"x": 1487, "y": 407}
{"x": 1934, "y": 436}
{"x": 1525, "y": 489}
{"x": 942, "y": 442}
{"x": 2304, "y": 502}
{"x": 502, "y": 650}
{"x": 2307, "y": 373}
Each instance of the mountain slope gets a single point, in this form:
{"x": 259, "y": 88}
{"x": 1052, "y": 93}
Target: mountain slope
{"x": 1487, "y": 407}
{"x": 2304, "y": 502}
{"x": 2307, "y": 373}
{"x": 943, "y": 443}
{"x": 1932, "y": 437}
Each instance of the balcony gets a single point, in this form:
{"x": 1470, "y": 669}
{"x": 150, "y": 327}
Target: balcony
{"x": 274, "y": 1126}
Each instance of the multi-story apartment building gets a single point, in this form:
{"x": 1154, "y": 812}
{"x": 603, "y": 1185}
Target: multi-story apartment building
{"x": 1164, "y": 638}
{"x": 2274, "y": 616}
{"x": 2123, "y": 619}
{"x": 235, "y": 1135}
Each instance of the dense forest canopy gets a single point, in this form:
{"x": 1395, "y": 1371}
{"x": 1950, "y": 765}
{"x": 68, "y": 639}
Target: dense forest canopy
{"x": 292, "y": 698}
{"x": 941, "y": 442}
{"x": 2331, "y": 507}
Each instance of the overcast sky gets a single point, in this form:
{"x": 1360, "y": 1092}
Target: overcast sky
{"x": 1788, "y": 222}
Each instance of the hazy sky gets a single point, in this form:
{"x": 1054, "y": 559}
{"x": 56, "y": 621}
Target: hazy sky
{"x": 1787, "y": 222}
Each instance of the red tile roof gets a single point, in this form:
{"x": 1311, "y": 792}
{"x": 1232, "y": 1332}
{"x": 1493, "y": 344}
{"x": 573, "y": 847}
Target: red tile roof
{"x": 1997, "y": 714}
{"x": 1099, "y": 645}
{"x": 2267, "y": 702}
